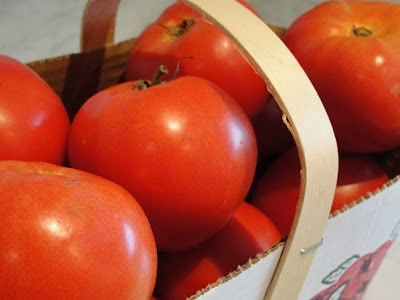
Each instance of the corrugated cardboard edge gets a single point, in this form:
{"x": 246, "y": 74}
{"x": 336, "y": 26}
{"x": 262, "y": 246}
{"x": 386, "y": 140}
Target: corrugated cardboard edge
{"x": 367, "y": 196}
{"x": 240, "y": 269}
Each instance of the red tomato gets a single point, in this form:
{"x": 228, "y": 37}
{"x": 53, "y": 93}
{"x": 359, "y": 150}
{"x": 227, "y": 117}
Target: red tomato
{"x": 350, "y": 50}
{"x": 248, "y": 233}
{"x": 185, "y": 149}
{"x": 277, "y": 191}
{"x": 68, "y": 234}
{"x": 181, "y": 32}
{"x": 34, "y": 123}
{"x": 273, "y": 137}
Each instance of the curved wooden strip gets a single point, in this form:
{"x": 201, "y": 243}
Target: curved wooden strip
{"x": 310, "y": 127}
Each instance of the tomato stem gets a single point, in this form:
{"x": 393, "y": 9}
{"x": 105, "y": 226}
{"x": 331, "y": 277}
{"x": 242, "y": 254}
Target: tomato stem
{"x": 181, "y": 28}
{"x": 162, "y": 70}
{"x": 141, "y": 85}
{"x": 144, "y": 84}
{"x": 178, "y": 65}
{"x": 361, "y": 31}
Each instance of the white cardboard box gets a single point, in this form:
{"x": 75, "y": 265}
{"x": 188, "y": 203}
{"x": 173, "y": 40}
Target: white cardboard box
{"x": 349, "y": 237}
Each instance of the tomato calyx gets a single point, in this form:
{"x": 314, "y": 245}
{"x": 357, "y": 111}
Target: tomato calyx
{"x": 181, "y": 28}
{"x": 360, "y": 31}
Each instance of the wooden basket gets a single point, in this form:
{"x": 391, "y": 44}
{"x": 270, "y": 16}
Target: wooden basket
{"x": 101, "y": 63}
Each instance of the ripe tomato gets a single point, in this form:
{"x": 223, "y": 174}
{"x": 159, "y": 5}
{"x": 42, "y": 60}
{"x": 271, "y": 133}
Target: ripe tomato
{"x": 68, "y": 234}
{"x": 248, "y": 233}
{"x": 181, "y": 32}
{"x": 273, "y": 137}
{"x": 351, "y": 52}
{"x": 277, "y": 191}
{"x": 185, "y": 149}
{"x": 34, "y": 123}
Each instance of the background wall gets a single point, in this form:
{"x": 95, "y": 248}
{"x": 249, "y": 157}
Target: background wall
{"x": 31, "y": 30}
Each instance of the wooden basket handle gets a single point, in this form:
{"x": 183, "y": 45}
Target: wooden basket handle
{"x": 98, "y": 24}
{"x": 309, "y": 125}
{"x": 303, "y": 113}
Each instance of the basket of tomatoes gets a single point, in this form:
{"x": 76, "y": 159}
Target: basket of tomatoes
{"x": 214, "y": 156}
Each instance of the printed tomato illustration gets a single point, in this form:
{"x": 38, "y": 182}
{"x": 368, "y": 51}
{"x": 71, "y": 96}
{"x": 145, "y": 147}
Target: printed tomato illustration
{"x": 353, "y": 283}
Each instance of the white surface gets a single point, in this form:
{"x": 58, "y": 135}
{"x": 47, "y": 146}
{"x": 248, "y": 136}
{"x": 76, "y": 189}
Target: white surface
{"x": 32, "y": 30}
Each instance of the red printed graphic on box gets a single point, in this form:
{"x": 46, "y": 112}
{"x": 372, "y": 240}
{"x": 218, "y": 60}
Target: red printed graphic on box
{"x": 351, "y": 278}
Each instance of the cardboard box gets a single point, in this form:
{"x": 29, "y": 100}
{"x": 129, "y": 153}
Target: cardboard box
{"x": 325, "y": 256}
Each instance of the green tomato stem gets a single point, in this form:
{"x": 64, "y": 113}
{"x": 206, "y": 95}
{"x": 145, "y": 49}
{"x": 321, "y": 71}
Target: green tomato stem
{"x": 162, "y": 70}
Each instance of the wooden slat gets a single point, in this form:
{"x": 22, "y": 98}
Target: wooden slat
{"x": 310, "y": 128}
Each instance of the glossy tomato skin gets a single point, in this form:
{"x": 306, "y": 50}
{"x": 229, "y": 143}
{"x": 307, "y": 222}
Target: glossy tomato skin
{"x": 273, "y": 137}
{"x": 277, "y": 191}
{"x": 185, "y": 149}
{"x": 34, "y": 121}
{"x": 181, "y": 32}
{"x": 67, "y": 234}
{"x": 355, "y": 76}
{"x": 248, "y": 233}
